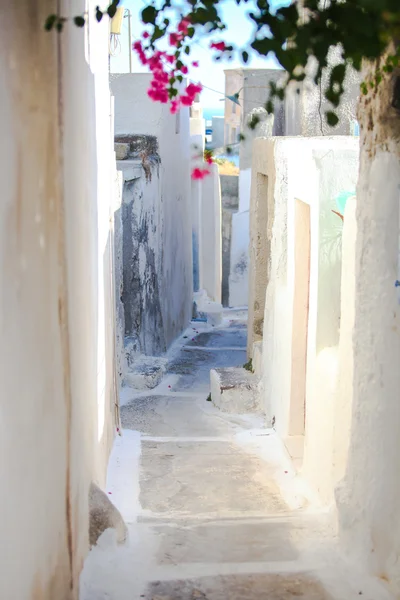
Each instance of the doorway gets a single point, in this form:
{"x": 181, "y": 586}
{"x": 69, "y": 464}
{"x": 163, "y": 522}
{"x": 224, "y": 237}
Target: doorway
{"x": 302, "y": 243}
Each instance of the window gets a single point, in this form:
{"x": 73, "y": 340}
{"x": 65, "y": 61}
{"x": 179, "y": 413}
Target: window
{"x": 226, "y": 134}
{"x": 233, "y": 108}
{"x": 233, "y": 140}
{"x": 177, "y": 122}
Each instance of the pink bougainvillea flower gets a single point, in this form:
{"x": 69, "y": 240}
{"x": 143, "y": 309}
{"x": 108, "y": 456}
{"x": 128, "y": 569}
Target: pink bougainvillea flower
{"x": 174, "y": 39}
{"x": 184, "y": 25}
{"x": 195, "y": 63}
{"x": 218, "y": 46}
{"x": 174, "y": 106}
{"x": 146, "y": 35}
{"x": 200, "y": 173}
{"x": 137, "y": 46}
{"x": 209, "y": 160}
{"x": 193, "y": 89}
{"x": 184, "y": 70}
{"x": 170, "y": 58}
{"x": 158, "y": 95}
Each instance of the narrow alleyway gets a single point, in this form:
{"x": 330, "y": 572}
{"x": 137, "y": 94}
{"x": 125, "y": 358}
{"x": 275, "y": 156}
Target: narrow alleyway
{"x": 213, "y": 507}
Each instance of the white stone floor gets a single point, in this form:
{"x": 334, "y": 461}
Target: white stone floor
{"x": 213, "y": 505}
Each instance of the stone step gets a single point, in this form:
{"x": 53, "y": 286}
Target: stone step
{"x": 234, "y": 390}
{"x": 145, "y": 372}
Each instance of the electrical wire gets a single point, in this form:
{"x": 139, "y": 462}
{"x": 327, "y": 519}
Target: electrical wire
{"x": 114, "y": 45}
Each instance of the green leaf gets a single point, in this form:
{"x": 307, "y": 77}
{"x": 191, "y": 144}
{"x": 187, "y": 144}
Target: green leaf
{"x": 50, "y": 22}
{"x": 263, "y": 46}
{"x": 179, "y": 78}
{"x": 99, "y": 14}
{"x": 245, "y": 56}
{"x": 158, "y": 33}
{"x": 149, "y": 14}
{"x": 241, "y": 137}
{"x": 79, "y": 21}
{"x": 253, "y": 121}
{"x": 187, "y": 50}
{"x": 269, "y": 107}
{"x": 338, "y": 73}
{"x": 332, "y": 118}
{"x": 111, "y": 10}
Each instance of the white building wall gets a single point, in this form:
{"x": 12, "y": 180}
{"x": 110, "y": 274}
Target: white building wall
{"x": 197, "y": 145}
{"x": 239, "y": 275}
{"x": 369, "y": 495}
{"x": 51, "y": 362}
{"x": 305, "y": 108}
{"x": 313, "y": 171}
{"x": 218, "y": 132}
{"x": 211, "y": 235}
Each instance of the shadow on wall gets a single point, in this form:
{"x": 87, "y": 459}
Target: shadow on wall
{"x": 230, "y": 205}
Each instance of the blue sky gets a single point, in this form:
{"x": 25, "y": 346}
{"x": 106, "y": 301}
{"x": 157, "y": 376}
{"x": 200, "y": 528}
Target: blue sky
{"x": 210, "y": 72}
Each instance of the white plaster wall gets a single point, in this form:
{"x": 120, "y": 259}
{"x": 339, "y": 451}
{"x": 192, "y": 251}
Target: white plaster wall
{"x": 197, "y": 145}
{"x": 239, "y": 277}
{"x": 244, "y": 189}
{"x": 239, "y": 274}
{"x": 337, "y": 171}
{"x": 135, "y": 113}
{"x": 314, "y": 171}
{"x": 305, "y": 113}
{"x": 197, "y": 134}
{"x": 369, "y": 495}
{"x": 218, "y": 132}
{"x": 344, "y": 402}
{"x": 49, "y": 286}
{"x": 106, "y": 200}
{"x": 211, "y": 235}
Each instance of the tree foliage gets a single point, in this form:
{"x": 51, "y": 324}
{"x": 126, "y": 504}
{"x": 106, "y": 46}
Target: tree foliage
{"x": 362, "y": 29}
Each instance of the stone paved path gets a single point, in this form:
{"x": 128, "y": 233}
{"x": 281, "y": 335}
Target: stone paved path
{"x": 213, "y": 507}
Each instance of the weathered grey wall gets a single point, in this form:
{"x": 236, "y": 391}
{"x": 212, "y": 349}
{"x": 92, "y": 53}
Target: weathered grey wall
{"x": 142, "y": 260}
{"x": 159, "y": 215}
{"x": 230, "y": 204}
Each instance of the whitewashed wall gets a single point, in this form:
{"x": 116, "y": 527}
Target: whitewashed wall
{"x": 313, "y": 171}
{"x": 368, "y": 497}
{"x": 56, "y": 390}
{"x": 197, "y": 145}
{"x": 239, "y": 274}
{"x": 305, "y": 108}
{"x": 206, "y": 215}
{"x": 211, "y": 234}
